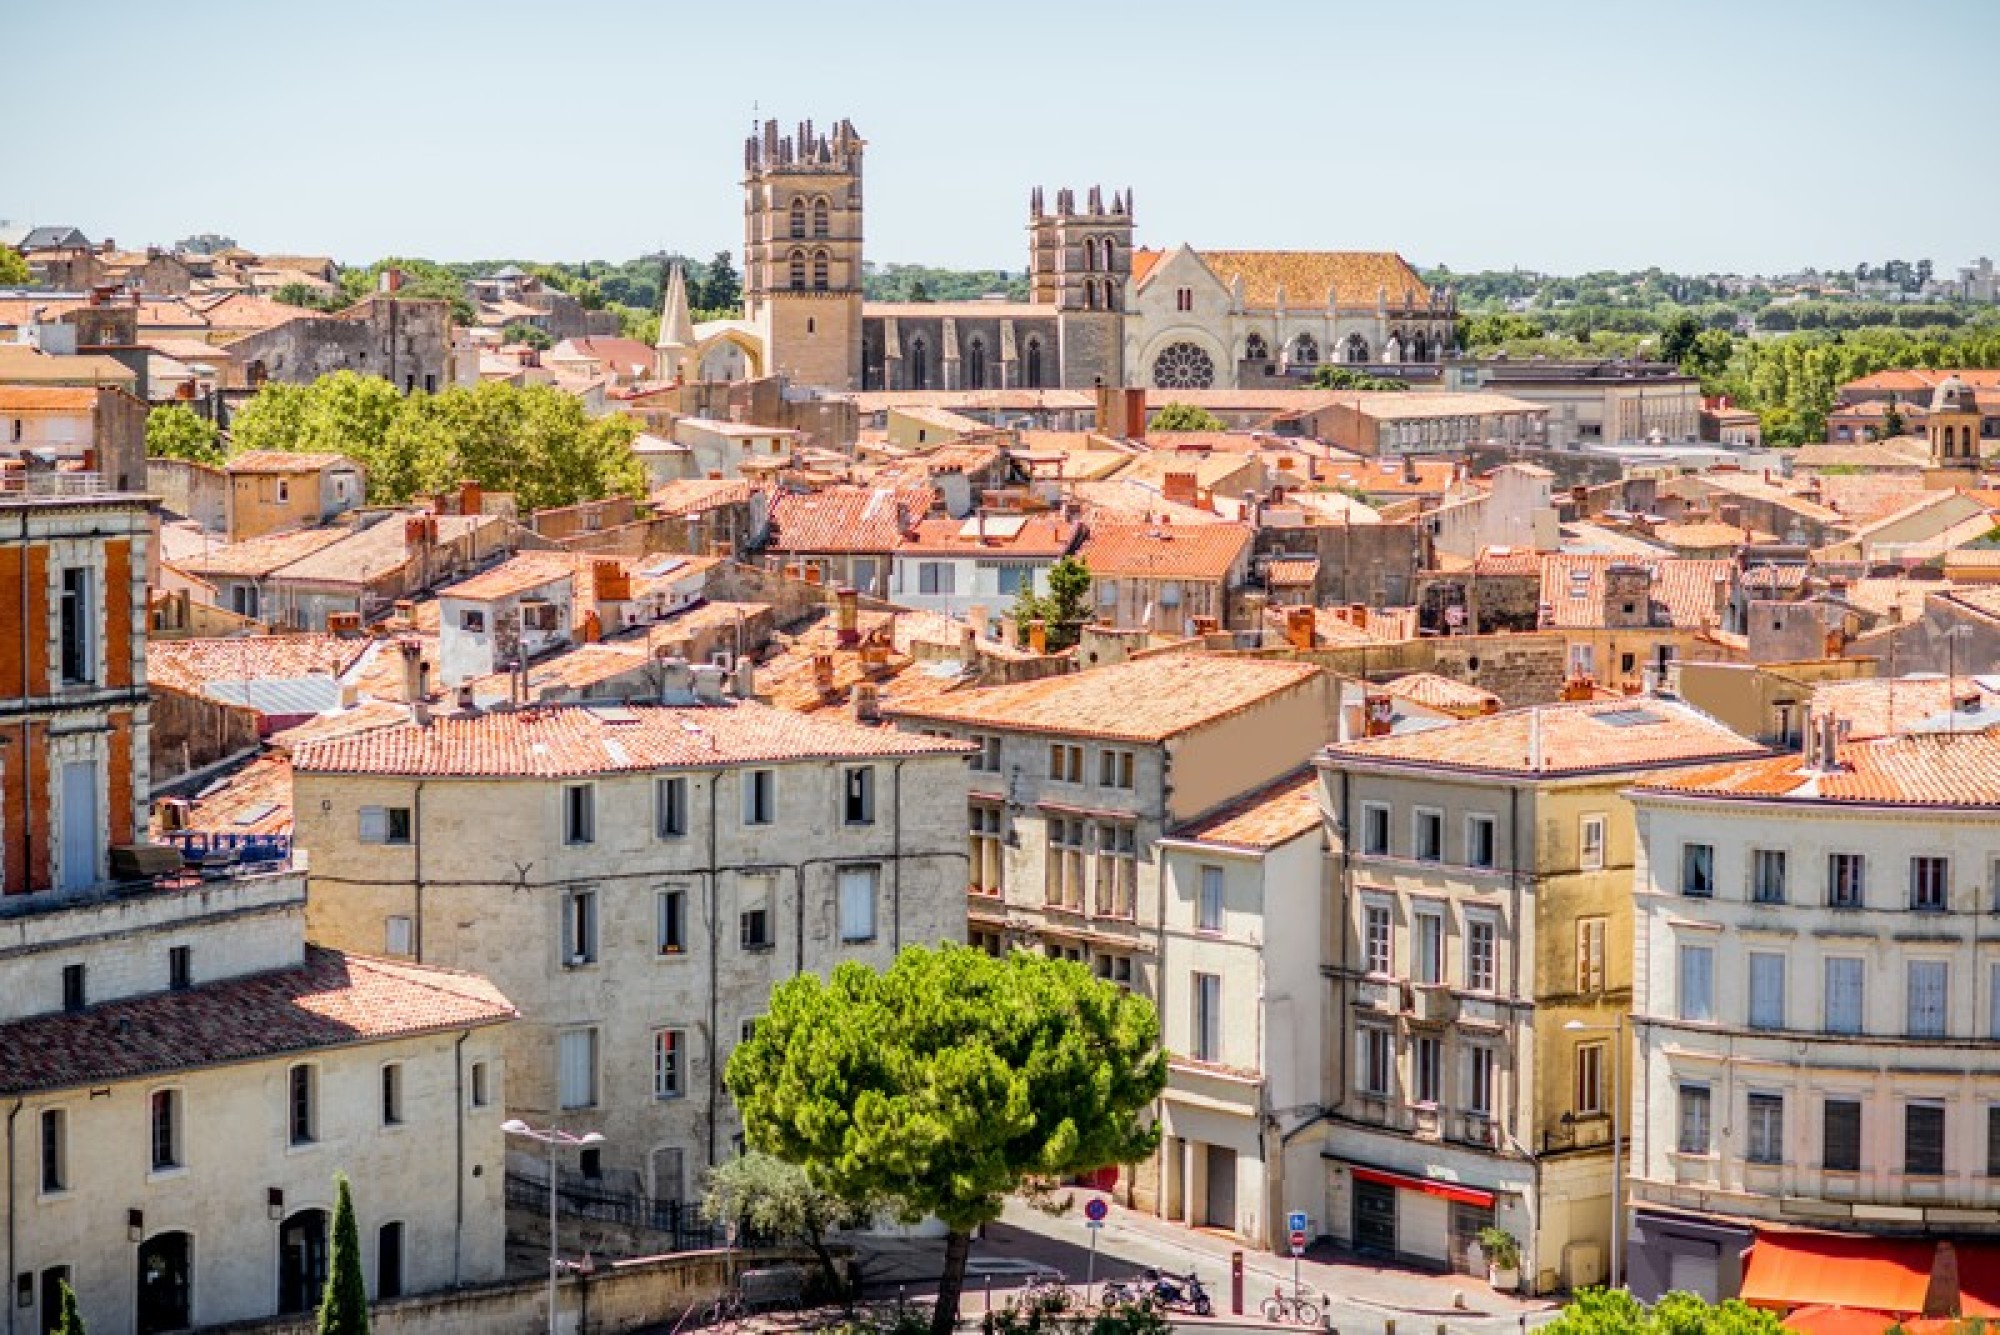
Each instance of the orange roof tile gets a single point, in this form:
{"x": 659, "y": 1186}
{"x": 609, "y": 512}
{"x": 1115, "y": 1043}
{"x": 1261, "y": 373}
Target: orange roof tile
{"x": 1931, "y": 770}
{"x": 47, "y": 398}
{"x": 1682, "y": 592}
{"x": 189, "y": 665}
{"x": 1169, "y": 551}
{"x": 1144, "y": 700}
{"x": 1006, "y": 535}
{"x": 1293, "y": 572}
{"x": 1442, "y": 693}
{"x": 847, "y": 519}
{"x": 696, "y": 494}
{"x": 283, "y": 461}
{"x": 261, "y": 556}
{"x": 1357, "y": 277}
{"x": 517, "y": 574}
{"x": 1266, "y": 818}
{"x": 1590, "y": 737}
{"x": 1872, "y": 707}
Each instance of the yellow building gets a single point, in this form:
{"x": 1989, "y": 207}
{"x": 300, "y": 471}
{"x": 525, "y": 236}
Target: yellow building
{"x": 271, "y": 491}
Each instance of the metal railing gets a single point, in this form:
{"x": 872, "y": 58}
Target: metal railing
{"x": 585, "y": 1198}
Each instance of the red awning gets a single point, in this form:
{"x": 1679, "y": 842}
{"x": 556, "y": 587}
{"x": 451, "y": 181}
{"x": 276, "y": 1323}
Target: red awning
{"x": 1978, "y": 1278}
{"x": 1834, "y": 1270}
{"x": 1450, "y": 1191}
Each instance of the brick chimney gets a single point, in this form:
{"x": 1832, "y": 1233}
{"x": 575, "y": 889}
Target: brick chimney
{"x": 847, "y": 609}
{"x": 1299, "y": 627}
{"x": 1182, "y": 488}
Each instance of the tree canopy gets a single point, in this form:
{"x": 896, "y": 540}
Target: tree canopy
{"x": 176, "y": 431}
{"x": 1346, "y": 377}
{"x": 1186, "y": 417}
{"x": 1064, "y": 609}
{"x": 1617, "y": 1312}
{"x": 762, "y": 1194}
{"x": 948, "y": 1082}
{"x": 13, "y": 269}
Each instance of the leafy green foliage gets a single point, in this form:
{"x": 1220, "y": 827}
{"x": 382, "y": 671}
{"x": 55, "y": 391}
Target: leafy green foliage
{"x": 1617, "y": 1312}
{"x": 762, "y": 1194}
{"x": 719, "y": 293}
{"x": 1343, "y": 377}
{"x": 422, "y": 280}
{"x": 1064, "y": 609}
{"x": 1892, "y": 421}
{"x": 176, "y": 431}
{"x": 343, "y": 1308}
{"x": 303, "y": 294}
{"x": 70, "y": 1321}
{"x": 916, "y": 282}
{"x": 1501, "y": 1247}
{"x": 1057, "y": 1314}
{"x": 13, "y": 269}
{"x": 1186, "y": 417}
{"x": 949, "y": 1081}
{"x": 528, "y": 334}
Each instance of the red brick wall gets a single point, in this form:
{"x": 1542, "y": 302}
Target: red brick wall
{"x": 24, "y": 870}
{"x": 119, "y": 782}
{"x": 117, "y": 619}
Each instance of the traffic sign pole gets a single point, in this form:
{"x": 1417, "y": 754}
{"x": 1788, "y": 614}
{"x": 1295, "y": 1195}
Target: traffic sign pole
{"x": 1094, "y": 1211}
{"x": 1296, "y": 1223}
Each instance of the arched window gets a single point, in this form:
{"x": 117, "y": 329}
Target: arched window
{"x": 1357, "y": 349}
{"x": 975, "y": 364}
{"x": 1110, "y": 294}
{"x": 798, "y": 218}
{"x": 1183, "y": 366}
{"x": 822, "y": 264}
{"x": 1304, "y": 350}
{"x": 798, "y": 270}
{"x": 1034, "y": 360}
{"x": 1090, "y": 293}
{"x": 1255, "y": 349}
{"x": 1089, "y": 254}
{"x": 1419, "y": 347}
{"x": 1107, "y": 254}
{"x": 919, "y": 360}
{"x": 822, "y": 215}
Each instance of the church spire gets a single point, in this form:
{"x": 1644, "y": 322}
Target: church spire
{"x": 676, "y": 340}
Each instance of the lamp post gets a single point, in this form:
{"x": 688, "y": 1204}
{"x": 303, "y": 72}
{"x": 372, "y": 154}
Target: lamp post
{"x": 1617, "y": 1029}
{"x": 555, "y": 1138}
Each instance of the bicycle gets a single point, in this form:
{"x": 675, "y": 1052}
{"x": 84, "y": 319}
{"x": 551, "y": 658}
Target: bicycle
{"x": 1046, "y": 1290}
{"x": 1293, "y": 1306}
{"x": 727, "y": 1309}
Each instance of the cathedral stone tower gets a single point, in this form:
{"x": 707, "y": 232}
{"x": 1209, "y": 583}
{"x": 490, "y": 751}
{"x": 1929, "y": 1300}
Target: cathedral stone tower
{"x": 1080, "y": 262}
{"x": 1953, "y": 425}
{"x": 802, "y": 252}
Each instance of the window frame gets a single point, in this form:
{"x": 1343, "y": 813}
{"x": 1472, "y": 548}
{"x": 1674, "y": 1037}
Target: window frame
{"x": 592, "y": 1094}
{"x": 760, "y": 797}
{"x": 1686, "y": 953}
{"x": 1378, "y": 949}
{"x": 579, "y": 928}
{"x": 857, "y": 795}
{"x": 1587, "y": 1078}
{"x": 579, "y": 818}
{"x": 1764, "y": 1128}
{"x": 1371, "y": 813}
{"x": 52, "y": 1154}
{"x": 670, "y": 1059}
{"x": 848, "y": 881}
{"x": 1431, "y": 819}
{"x": 1592, "y": 838}
{"x": 1851, "y": 1138}
{"x": 1694, "y": 1119}
{"x": 1205, "y": 990}
{"x": 1482, "y": 852}
{"x": 670, "y": 806}
{"x": 1592, "y": 955}
{"x": 394, "y": 1108}
{"x": 1846, "y": 880}
{"x": 1211, "y": 899}
{"x": 166, "y": 1117}
{"x": 1769, "y": 886}
{"x": 302, "y": 1127}
{"x": 1930, "y": 894}
{"x": 1928, "y": 1167}
{"x": 1697, "y": 856}
{"x": 1763, "y": 1017}
{"x": 670, "y": 938}
{"x": 1478, "y": 926}
{"x": 385, "y": 821}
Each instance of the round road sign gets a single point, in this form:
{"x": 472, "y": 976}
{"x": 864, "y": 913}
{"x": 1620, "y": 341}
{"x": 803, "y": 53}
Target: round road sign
{"x": 1095, "y": 1209}
{"x": 1298, "y": 1243}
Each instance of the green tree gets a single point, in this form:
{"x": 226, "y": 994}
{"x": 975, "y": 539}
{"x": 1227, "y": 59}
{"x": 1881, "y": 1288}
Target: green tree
{"x": 1892, "y": 420}
{"x": 762, "y": 1194}
{"x": 721, "y": 288}
{"x": 1346, "y": 377}
{"x": 1677, "y": 338}
{"x": 303, "y": 294}
{"x": 70, "y": 1321}
{"x": 534, "y": 337}
{"x": 948, "y": 1082}
{"x": 13, "y": 269}
{"x": 1186, "y": 417}
{"x": 343, "y": 1308}
{"x": 1064, "y": 610}
{"x": 176, "y": 431}
{"x": 1617, "y": 1312}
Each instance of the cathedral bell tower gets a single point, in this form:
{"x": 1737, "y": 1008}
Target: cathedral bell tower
{"x": 802, "y": 252}
{"x": 1080, "y": 262}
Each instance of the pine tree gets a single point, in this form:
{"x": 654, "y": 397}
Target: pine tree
{"x": 343, "y": 1310}
{"x": 71, "y": 1321}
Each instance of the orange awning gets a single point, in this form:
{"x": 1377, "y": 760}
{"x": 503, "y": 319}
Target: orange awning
{"x": 1833, "y": 1270}
{"x": 1978, "y": 1278}
{"x": 1822, "y": 1320}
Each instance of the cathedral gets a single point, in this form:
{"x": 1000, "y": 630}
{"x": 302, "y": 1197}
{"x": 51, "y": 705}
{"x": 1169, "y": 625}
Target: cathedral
{"x": 1099, "y": 311}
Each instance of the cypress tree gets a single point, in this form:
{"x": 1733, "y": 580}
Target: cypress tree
{"x": 343, "y": 1310}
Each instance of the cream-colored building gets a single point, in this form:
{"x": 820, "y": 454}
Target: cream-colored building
{"x": 638, "y": 879}
{"x": 184, "y": 1076}
{"x": 273, "y": 491}
{"x": 1242, "y": 1004}
{"x": 1076, "y": 779}
{"x": 1482, "y": 882}
{"x": 1817, "y": 1021}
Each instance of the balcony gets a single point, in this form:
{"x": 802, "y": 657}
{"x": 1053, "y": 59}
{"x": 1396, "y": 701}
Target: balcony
{"x": 1475, "y": 1129}
{"x": 1432, "y": 1003}
{"x": 1383, "y": 995}
{"x": 1486, "y": 1012}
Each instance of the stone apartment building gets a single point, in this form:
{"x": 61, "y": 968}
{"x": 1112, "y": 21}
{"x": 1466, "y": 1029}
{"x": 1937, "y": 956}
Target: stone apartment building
{"x": 637, "y": 879}
{"x": 405, "y": 342}
{"x": 1076, "y": 779}
{"x": 272, "y": 491}
{"x": 1164, "y": 577}
{"x": 1482, "y": 875}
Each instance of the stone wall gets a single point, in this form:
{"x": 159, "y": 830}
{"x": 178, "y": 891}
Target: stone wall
{"x": 1376, "y": 564}
{"x": 407, "y": 343}
{"x": 191, "y": 733}
{"x": 193, "y": 491}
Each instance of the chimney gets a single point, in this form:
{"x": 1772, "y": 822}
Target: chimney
{"x": 676, "y": 679}
{"x": 1299, "y": 627}
{"x": 404, "y": 613}
{"x": 413, "y": 670}
{"x": 867, "y": 703}
{"x": 746, "y": 677}
{"x": 823, "y": 673}
{"x": 708, "y": 680}
{"x": 610, "y": 583}
{"x": 1410, "y": 473}
{"x": 347, "y": 625}
{"x": 1579, "y": 687}
{"x": 1135, "y": 412}
{"x": 1730, "y": 513}
{"x": 978, "y": 614}
{"x": 1357, "y": 615}
{"x": 1038, "y": 636}
{"x": 847, "y": 607}
{"x": 1181, "y": 488}
{"x": 1381, "y": 719}
{"x": 391, "y": 281}
{"x": 471, "y": 498}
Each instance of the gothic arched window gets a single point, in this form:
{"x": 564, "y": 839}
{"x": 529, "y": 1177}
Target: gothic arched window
{"x": 798, "y": 270}
{"x": 1034, "y": 360}
{"x": 1305, "y": 351}
{"x": 822, "y": 266}
{"x": 822, "y": 214}
{"x": 1357, "y": 348}
{"x": 1107, "y": 254}
{"x": 1090, "y": 294}
{"x": 919, "y": 364}
{"x": 1183, "y": 366}
{"x": 1110, "y": 294}
{"x": 1255, "y": 349}
{"x": 1089, "y": 254}
{"x": 798, "y": 217}
{"x": 975, "y": 364}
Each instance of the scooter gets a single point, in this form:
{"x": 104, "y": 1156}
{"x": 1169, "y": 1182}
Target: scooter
{"x": 1168, "y": 1292}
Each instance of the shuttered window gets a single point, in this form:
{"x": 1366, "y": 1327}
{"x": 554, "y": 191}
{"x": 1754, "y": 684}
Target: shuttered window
{"x": 1927, "y": 981}
{"x": 1843, "y": 996}
{"x": 1840, "y": 1136}
{"x": 1923, "y": 1139}
{"x": 1697, "y": 995}
{"x": 1767, "y": 990}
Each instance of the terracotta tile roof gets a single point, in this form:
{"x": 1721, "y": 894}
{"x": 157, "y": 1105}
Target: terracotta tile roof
{"x": 24, "y": 365}
{"x": 1394, "y": 477}
{"x": 1507, "y": 561}
{"x": 574, "y": 669}
{"x": 1442, "y": 693}
{"x": 847, "y": 519}
{"x": 1909, "y": 380}
{"x": 260, "y": 556}
{"x": 1934, "y": 770}
{"x": 1885, "y": 597}
{"x": 974, "y": 400}
{"x": 517, "y": 574}
{"x": 1144, "y": 700}
{"x": 374, "y": 551}
{"x": 47, "y": 398}
{"x": 190, "y": 665}
{"x": 280, "y": 461}
{"x": 331, "y": 1000}
{"x": 1596, "y": 736}
{"x": 1422, "y": 405}
{"x": 1682, "y": 595}
{"x": 363, "y": 717}
{"x": 256, "y": 799}
{"x": 1704, "y": 535}
{"x": 1164, "y": 551}
{"x": 1266, "y": 818}
{"x": 1006, "y": 535}
{"x": 1143, "y": 261}
{"x": 1885, "y": 706}
{"x": 1356, "y": 276}
{"x": 1119, "y": 501}
{"x": 1860, "y": 454}
{"x": 1752, "y": 486}
{"x": 572, "y": 740}
{"x": 619, "y": 356}
{"x": 1293, "y": 572}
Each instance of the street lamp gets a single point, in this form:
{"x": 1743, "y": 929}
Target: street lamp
{"x": 555, "y": 1139}
{"x": 1617, "y": 1029}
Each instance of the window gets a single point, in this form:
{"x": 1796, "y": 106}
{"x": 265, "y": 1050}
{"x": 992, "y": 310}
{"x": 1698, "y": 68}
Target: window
{"x": 1115, "y": 769}
{"x": 1011, "y": 579}
{"x": 1065, "y": 869}
{"x": 73, "y": 991}
{"x": 1429, "y": 1062}
{"x": 987, "y": 759}
{"x": 1479, "y": 841}
{"x": 857, "y": 903}
{"x": 1923, "y": 1139}
{"x": 1378, "y": 1061}
{"x": 579, "y": 813}
{"x": 1697, "y": 979}
{"x": 1694, "y": 1120}
{"x": 1930, "y": 882}
{"x": 1767, "y": 990}
{"x": 1479, "y": 960}
{"x": 166, "y": 1129}
{"x": 937, "y": 577}
{"x": 671, "y": 931}
{"x": 1208, "y": 915}
{"x": 1846, "y": 880}
{"x": 1843, "y": 996}
{"x": 389, "y": 1261}
{"x": 1590, "y": 933}
{"x": 857, "y": 795}
{"x": 988, "y": 863}
{"x": 385, "y": 825}
{"x": 669, "y": 1055}
{"x": 580, "y": 927}
{"x": 670, "y": 807}
{"x": 1766, "y": 1143}
{"x": 1590, "y": 843}
{"x": 1428, "y": 836}
{"x": 398, "y": 936}
{"x": 1589, "y": 1079}
{"x": 55, "y": 1151}
{"x": 1207, "y": 1017}
{"x": 1840, "y": 1136}
{"x": 822, "y": 223}
{"x": 798, "y": 228}
{"x": 473, "y": 620}
{"x": 1767, "y": 876}
{"x": 1479, "y": 1082}
{"x": 760, "y": 796}
{"x": 576, "y": 1068}
{"x": 1066, "y": 763}
{"x": 1430, "y": 947}
{"x": 392, "y": 1094}
{"x": 1993, "y": 1141}
{"x": 1183, "y": 298}
{"x": 1375, "y": 829}
{"x": 796, "y": 270}
{"x": 481, "y": 1096}
{"x": 1255, "y": 349}
{"x": 1698, "y": 870}
{"x": 301, "y": 1106}
{"x": 754, "y": 929}
{"x": 79, "y": 660}
{"x": 822, "y": 270}
{"x": 1375, "y": 938}
{"x": 1926, "y": 982}
{"x": 1117, "y": 869}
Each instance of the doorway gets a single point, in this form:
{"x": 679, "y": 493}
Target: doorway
{"x": 1466, "y": 1223}
{"x": 53, "y": 1280}
{"x": 80, "y": 833}
{"x": 302, "y": 1261}
{"x": 1374, "y": 1218}
{"x": 1221, "y": 1202}
{"x": 166, "y": 1283}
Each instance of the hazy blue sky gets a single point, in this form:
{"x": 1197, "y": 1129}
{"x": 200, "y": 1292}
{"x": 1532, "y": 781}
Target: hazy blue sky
{"x": 1554, "y": 134}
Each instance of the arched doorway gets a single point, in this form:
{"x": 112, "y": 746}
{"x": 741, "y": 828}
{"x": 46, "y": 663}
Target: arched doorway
{"x": 1034, "y": 360}
{"x": 166, "y": 1283}
{"x": 920, "y": 368}
{"x": 975, "y": 364}
{"x": 301, "y": 1261}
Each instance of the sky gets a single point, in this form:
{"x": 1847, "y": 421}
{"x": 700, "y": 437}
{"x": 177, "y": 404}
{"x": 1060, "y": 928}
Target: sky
{"x": 1555, "y": 135}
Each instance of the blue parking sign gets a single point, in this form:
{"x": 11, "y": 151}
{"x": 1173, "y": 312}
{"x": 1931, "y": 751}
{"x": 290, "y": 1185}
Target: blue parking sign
{"x": 1295, "y": 1222}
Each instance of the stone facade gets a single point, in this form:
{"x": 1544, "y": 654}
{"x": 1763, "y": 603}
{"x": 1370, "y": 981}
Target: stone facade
{"x": 406, "y": 342}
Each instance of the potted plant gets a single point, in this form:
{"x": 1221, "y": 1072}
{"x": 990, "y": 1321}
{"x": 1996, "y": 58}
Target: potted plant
{"x": 1503, "y": 1258}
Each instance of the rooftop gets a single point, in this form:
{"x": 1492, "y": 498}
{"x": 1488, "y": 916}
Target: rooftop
{"x": 1164, "y": 550}
{"x": 1270, "y": 816}
{"x": 1682, "y": 592}
{"x": 192, "y": 665}
{"x": 283, "y": 461}
{"x": 847, "y": 519}
{"x": 1553, "y": 741}
{"x": 1958, "y": 770}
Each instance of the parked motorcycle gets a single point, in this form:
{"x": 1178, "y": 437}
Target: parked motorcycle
{"x": 1180, "y": 1291}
